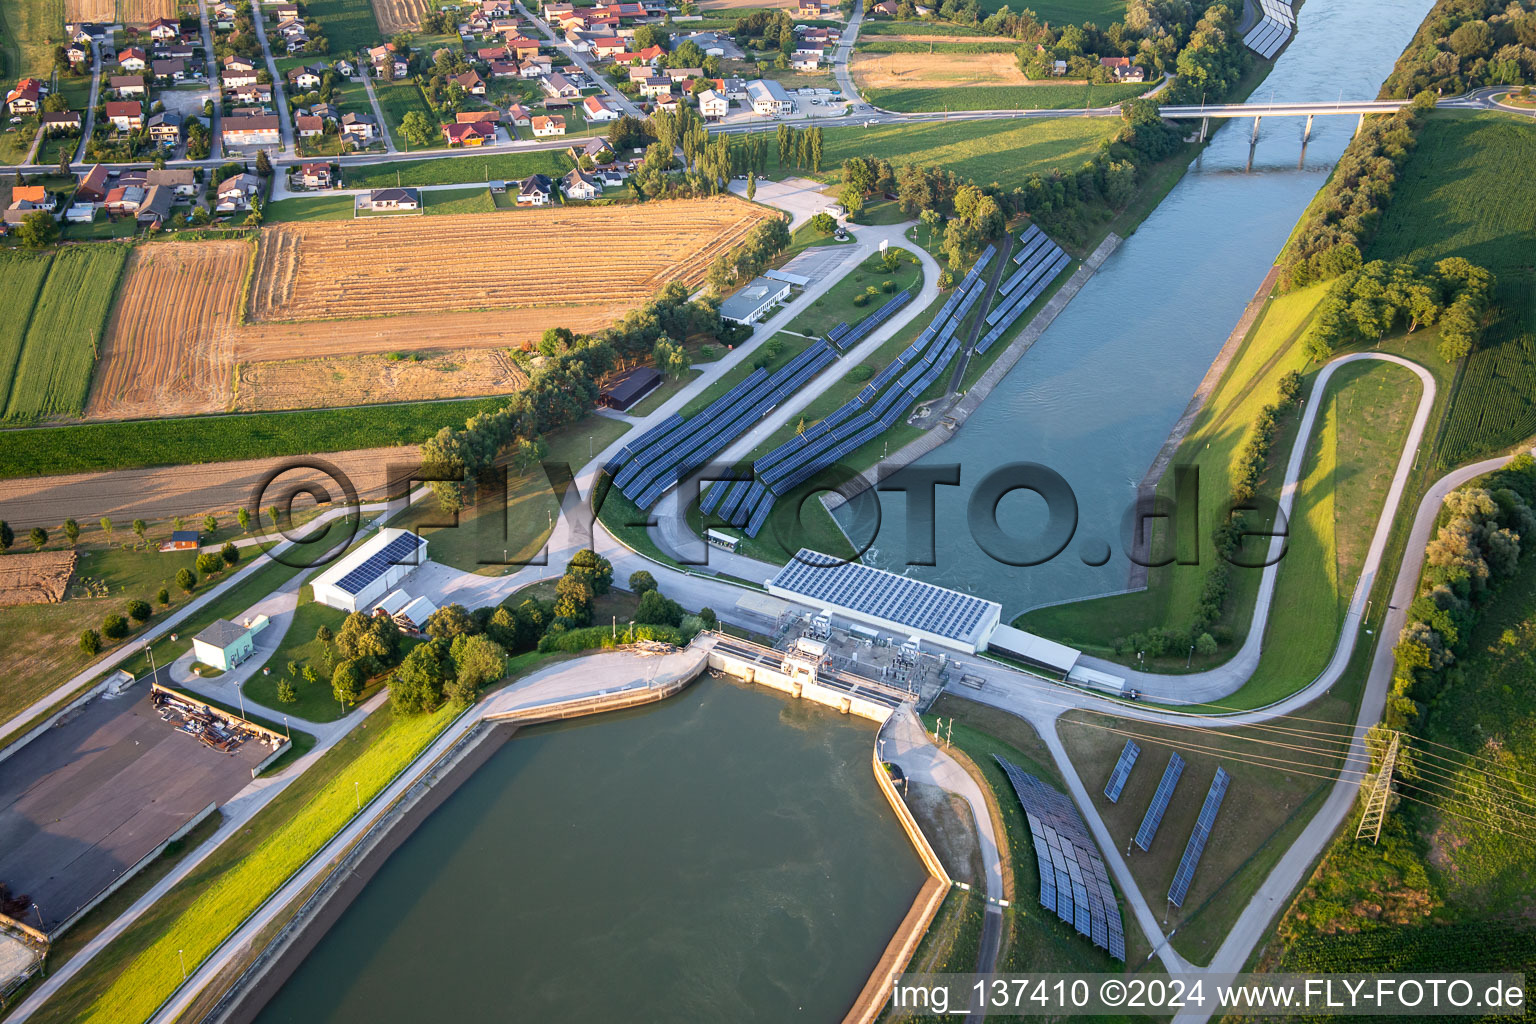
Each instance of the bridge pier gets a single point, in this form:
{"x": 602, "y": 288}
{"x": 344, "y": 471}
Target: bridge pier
{"x": 1256, "y": 120}
{"x": 1359, "y": 124}
{"x": 1307, "y": 131}
{"x": 1205, "y": 125}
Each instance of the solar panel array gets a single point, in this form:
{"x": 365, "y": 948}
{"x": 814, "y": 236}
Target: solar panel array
{"x": 1122, "y": 771}
{"x": 377, "y": 564}
{"x": 866, "y": 417}
{"x": 1040, "y": 261}
{"x": 1073, "y": 883}
{"x": 1191, "y": 859}
{"x": 883, "y": 595}
{"x": 1276, "y": 23}
{"x": 1159, "y": 804}
{"x": 648, "y": 468}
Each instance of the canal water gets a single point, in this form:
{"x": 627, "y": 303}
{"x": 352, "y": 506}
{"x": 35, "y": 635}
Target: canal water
{"x": 724, "y": 855}
{"x": 1096, "y": 396}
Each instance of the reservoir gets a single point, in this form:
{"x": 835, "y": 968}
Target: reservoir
{"x": 1097, "y": 394}
{"x": 722, "y": 855}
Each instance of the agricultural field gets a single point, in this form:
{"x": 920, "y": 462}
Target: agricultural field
{"x": 53, "y": 375}
{"x": 23, "y": 275}
{"x": 930, "y": 65}
{"x": 1102, "y": 13}
{"x": 1456, "y": 197}
{"x": 396, "y": 16}
{"x": 396, "y": 99}
{"x": 960, "y": 96}
{"x": 381, "y": 267}
{"x": 170, "y": 344}
{"x": 36, "y": 577}
{"x": 99, "y": 11}
{"x": 29, "y": 30}
{"x": 348, "y": 24}
{"x": 984, "y": 151}
{"x": 461, "y": 170}
{"x": 139, "y": 13}
{"x": 286, "y": 384}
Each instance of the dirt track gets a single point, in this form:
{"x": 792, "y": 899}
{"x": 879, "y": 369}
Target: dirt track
{"x": 166, "y": 491}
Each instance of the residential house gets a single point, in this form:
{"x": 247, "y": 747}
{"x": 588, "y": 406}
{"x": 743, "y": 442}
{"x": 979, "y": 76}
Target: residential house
{"x": 26, "y": 98}
{"x": 558, "y": 85}
{"x": 469, "y": 133}
{"x": 553, "y": 12}
{"x": 325, "y": 111}
{"x": 223, "y": 17}
{"x": 290, "y": 29}
{"x": 251, "y": 130}
{"x": 284, "y": 12}
{"x": 344, "y": 68}
{"x": 535, "y": 67}
{"x": 650, "y": 55}
{"x": 768, "y": 98}
{"x": 595, "y": 108}
{"x": 546, "y": 126}
{"x": 885, "y": 7}
{"x": 1122, "y": 69}
{"x": 670, "y": 103}
{"x": 61, "y": 122}
{"x": 175, "y": 51}
{"x": 156, "y": 208}
{"x": 20, "y": 209}
{"x": 507, "y": 28}
{"x": 714, "y": 44}
{"x": 255, "y": 94}
{"x": 93, "y": 185}
{"x": 471, "y": 116}
{"x": 304, "y": 79}
{"x": 37, "y": 194}
{"x": 504, "y": 69}
{"x": 518, "y": 115}
{"x": 309, "y": 125}
{"x": 181, "y": 181}
{"x": 235, "y": 192}
{"x": 814, "y": 10}
{"x": 496, "y": 8}
{"x": 731, "y": 88}
{"x": 523, "y": 48}
{"x": 394, "y": 199}
{"x": 817, "y": 36}
{"x": 127, "y": 85}
{"x": 641, "y": 72}
{"x": 77, "y": 53}
{"x": 132, "y": 59}
{"x": 470, "y": 82}
{"x": 653, "y": 87}
{"x": 165, "y": 127}
{"x": 476, "y": 25}
{"x": 712, "y": 105}
{"x": 164, "y": 30}
{"x": 535, "y": 190}
{"x": 237, "y": 79}
{"x": 124, "y": 199}
{"x": 386, "y": 63}
{"x": 683, "y": 74}
{"x": 596, "y": 148}
{"x": 80, "y": 213}
{"x": 605, "y": 48}
{"x": 169, "y": 70}
{"x": 359, "y": 128}
{"x": 491, "y": 53}
{"x": 806, "y": 60}
{"x": 577, "y": 185}
{"x": 315, "y": 175}
{"x": 236, "y": 65}
{"x": 125, "y": 115}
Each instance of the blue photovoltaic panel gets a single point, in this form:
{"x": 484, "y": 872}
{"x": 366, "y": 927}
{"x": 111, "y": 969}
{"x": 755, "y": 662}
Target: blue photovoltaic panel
{"x": 1202, "y": 831}
{"x": 1122, "y": 771}
{"x": 376, "y": 564}
{"x": 1159, "y": 804}
{"x": 1073, "y": 882}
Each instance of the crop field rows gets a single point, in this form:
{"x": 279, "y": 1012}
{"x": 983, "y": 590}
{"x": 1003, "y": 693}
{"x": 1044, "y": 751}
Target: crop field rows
{"x": 539, "y": 258}
{"x": 400, "y": 15}
{"x": 286, "y": 384}
{"x": 170, "y": 343}
{"x": 58, "y": 353}
{"x": 137, "y": 13}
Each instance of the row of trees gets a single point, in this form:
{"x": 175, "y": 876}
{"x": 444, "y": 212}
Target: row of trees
{"x": 1366, "y": 303}
{"x": 1479, "y": 546}
{"x": 1334, "y": 233}
{"x": 1464, "y": 44}
{"x": 762, "y": 243}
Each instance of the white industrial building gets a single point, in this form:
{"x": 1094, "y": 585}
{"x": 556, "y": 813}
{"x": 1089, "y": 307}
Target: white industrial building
{"x": 363, "y": 577}
{"x": 757, "y": 297}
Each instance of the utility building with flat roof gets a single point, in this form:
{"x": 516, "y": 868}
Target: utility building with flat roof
{"x": 360, "y": 579}
{"x": 896, "y": 604}
{"x": 756, "y": 298}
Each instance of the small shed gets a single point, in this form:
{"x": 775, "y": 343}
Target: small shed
{"x": 181, "y": 540}
{"x": 629, "y": 387}
{"x": 223, "y": 645}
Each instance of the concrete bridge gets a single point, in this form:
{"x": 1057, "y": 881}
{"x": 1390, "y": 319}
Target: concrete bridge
{"x": 1259, "y": 111}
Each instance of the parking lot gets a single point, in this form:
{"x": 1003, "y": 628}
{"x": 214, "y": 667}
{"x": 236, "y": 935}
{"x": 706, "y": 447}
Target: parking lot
{"x": 89, "y": 799}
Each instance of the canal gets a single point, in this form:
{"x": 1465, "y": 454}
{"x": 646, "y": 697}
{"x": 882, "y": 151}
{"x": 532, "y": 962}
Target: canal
{"x": 722, "y": 855}
{"x": 1096, "y": 396}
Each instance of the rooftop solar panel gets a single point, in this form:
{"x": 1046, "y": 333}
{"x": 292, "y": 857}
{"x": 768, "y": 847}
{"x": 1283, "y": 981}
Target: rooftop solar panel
{"x": 1197, "y": 839}
{"x": 399, "y": 551}
{"x": 1159, "y": 804}
{"x": 1122, "y": 771}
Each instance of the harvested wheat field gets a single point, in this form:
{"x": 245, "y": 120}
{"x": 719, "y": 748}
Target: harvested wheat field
{"x": 362, "y": 380}
{"x": 731, "y": 5}
{"x": 400, "y": 15}
{"x": 166, "y": 491}
{"x": 41, "y": 577}
{"x": 139, "y": 13}
{"x": 96, "y": 11}
{"x": 170, "y": 344}
{"x": 537, "y": 258}
{"x": 928, "y": 70}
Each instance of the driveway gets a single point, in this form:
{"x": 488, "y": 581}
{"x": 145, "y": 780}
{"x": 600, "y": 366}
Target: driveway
{"x": 801, "y": 198}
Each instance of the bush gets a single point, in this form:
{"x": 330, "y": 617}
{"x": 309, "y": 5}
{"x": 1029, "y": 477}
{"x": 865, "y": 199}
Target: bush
{"x": 888, "y": 286}
{"x": 138, "y": 610}
{"x": 185, "y": 580}
{"x": 861, "y": 299}
{"x": 210, "y": 564}
{"x": 859, "y": 374}
{"x": 163, "y": 596}
{"x": 114, "y": 627}
{"x": 641, "y": 582}
{"x": 594, "y": 637}
{"x": 286, "y": 692}
{"x": 90, "y": 641}
{"x": 229, "y": 554}
{"x": 824, "y": 222}
{"x": 658, "y": 610}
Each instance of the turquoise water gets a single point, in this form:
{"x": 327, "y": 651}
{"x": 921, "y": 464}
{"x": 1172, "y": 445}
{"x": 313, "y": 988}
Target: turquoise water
{"x": 721, "y": 856}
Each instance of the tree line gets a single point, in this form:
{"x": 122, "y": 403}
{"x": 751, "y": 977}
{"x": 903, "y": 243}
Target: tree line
{"x": 1365, "y": 304}
{"x": 1465, "y": 44}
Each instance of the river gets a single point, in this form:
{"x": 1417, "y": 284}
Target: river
{"x": 722, "y": 855}
{"x": 1096, "y": 396}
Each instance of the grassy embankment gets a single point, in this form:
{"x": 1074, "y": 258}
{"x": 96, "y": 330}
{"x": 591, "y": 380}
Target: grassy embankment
{"x": 459, "y": 170}
{"x": 438, "y": 203}
{"x": 932, "y": 99}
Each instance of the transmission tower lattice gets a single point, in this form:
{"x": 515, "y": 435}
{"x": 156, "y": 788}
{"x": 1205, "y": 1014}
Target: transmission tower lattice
{"x": 1376, "y": 803}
